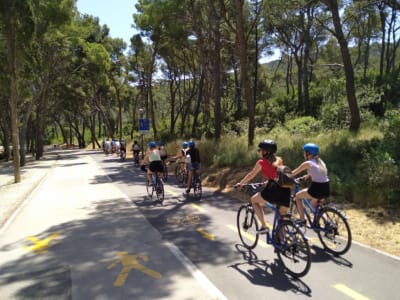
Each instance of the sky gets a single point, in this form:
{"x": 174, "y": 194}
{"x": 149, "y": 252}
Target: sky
{"x": 116, "y": 14}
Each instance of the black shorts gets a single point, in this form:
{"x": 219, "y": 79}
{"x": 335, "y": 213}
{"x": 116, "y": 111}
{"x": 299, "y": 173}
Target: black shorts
{"x": 274, "y": 193}
{"x": 319, "y": 190}
{"x": 156, "y": 166}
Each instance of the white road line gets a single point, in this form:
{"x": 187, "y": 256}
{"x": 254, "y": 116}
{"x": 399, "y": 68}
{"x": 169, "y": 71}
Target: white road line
{"x": 212, "y": 290}
{"x": 349, "y": 292}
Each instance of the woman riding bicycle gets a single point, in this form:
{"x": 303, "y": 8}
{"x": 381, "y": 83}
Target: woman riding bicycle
{"x": 153, "y": 158}
{"x": 273, "y": 192}
{"x": 317, "y": 171}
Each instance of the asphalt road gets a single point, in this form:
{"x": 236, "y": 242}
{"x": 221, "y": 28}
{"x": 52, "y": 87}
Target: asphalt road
{"x": 91, "y": 232}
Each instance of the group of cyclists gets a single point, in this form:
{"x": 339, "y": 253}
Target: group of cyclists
{"x": 272, "y": 192}
{"x": 189, "y": 157}
{"x": 156, "y": 156}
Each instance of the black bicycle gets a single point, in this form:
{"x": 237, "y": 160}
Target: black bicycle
{"x": 196, "y": 184}
{"x": 328, "y": 222}
{"x": 181, "y": 172}
{"x": 289, "y": 242}
{"x": 165, "y": 170}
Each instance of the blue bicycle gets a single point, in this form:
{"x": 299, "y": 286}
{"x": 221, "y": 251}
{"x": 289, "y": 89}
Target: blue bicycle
{"x": 287, "y": 239}
{"x": 328, "y": 222}
{"x": 155, "y": 187}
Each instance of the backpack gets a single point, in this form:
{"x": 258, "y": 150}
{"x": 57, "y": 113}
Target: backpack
{"x": 285, "y": 179}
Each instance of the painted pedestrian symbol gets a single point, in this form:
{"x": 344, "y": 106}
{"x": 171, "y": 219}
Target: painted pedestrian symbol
{"x": 39, "y": 245}
{"x": 130, "y": 262}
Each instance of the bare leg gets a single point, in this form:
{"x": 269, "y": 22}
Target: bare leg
{"x": 299, "y": 202}
{"x": 189, "y": 182}
{"x": 258, "y": 203}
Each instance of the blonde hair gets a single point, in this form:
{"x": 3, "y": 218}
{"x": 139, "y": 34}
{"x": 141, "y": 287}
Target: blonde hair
{"x": 322, "y": 167}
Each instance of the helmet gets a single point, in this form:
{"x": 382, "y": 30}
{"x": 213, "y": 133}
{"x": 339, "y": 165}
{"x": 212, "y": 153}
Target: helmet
{"x": 152, "y": 144}
{"x": 159, "y": 143}
{"x": 268, "y": 145}
{"x": 311, "y": 148}
{"x": 185, "y": 145}
{"x": 192, "y": 144}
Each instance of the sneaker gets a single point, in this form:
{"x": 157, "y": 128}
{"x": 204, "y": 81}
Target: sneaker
{"x": 263, "y": 230}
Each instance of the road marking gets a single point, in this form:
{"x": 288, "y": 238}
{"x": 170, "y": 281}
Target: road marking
{"x": 248, "y": 236}
{"x": 205, "y": 234}
{"x": 211, "y": 289}
{"x": 171, "y": 192}
{"x": 130, "y": 262}
{"x": 349, "y": 292}
{"x": 39, "y": 245}
{"x": 198, "y": 207}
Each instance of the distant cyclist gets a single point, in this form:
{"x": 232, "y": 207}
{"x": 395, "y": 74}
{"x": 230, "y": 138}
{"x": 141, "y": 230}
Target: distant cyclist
{"x": 193, "y": 156}
{"x": 136, "y": 151}
{"x": 163, "y": 151}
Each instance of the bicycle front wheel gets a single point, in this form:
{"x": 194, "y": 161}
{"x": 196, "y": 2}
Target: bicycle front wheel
{"x": 247, "y": 226}
{"x": 333, "y": 230}
{"x": 197, "y": 188}
{"x": 293, "y": 249}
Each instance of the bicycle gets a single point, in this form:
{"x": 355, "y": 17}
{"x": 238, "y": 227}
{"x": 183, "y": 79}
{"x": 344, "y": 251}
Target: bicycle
{"x": 156, "y": 186}
{"x": 165, "y": 170}
{"x": 286, "y": 238}
{"x": 196, "y": 184}
{"x": 181, "y": 172}
{"x": 328, "y": 222}
{"x": 136, "y": 158}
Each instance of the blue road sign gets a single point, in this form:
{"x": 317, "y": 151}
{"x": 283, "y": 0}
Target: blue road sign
{"x": 144, "y": 126}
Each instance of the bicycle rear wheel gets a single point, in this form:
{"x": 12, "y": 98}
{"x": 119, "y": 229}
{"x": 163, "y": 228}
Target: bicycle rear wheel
{"x": 247, "y": 226}
{"x": 149, "y": 187}
{"x": 293, "y": 249}
{"x": 160, "y": 190}
{"x": 197, "y": 188}
{"x": 333, "y": 230}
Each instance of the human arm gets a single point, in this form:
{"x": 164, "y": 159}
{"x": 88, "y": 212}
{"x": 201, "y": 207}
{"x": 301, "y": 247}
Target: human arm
{"x": 249, "y": 176}
{"x": 305, "y": 166}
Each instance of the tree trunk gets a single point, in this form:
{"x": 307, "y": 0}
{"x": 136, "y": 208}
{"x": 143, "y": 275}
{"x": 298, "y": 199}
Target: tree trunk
{"x": 348, "y": 66}
{"x": 13, "y": 101}
{"x": 244, "y": 72}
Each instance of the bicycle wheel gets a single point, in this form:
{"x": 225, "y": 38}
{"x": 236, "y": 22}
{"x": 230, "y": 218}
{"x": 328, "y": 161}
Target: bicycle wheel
{"x": 292, "y": 248}
{"x": 247, "y": 226}
{"x": 149, "y": 188}
{"x": 160, "y": 190}
{"x": 197, "y": 188}
{"x": 165, "y": 171}
{"x": 333, "y": 230}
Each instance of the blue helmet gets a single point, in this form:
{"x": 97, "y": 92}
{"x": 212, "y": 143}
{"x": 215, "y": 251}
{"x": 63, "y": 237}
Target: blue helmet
{"x": 192, "y": 144}
{"x": 159, "y": 143}
{"x": 311, "y": 148}
{"x": 152, "y": 144}
{"x": 185, "y": 145}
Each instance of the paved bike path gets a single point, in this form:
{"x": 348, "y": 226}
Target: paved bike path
{"x": 78, "y": 236}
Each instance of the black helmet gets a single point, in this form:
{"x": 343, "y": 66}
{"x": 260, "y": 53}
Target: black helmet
{"x": 268, "y": 145}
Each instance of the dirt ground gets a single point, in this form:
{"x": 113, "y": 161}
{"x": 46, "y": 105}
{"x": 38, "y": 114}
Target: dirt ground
{"x": 378, "y": 228}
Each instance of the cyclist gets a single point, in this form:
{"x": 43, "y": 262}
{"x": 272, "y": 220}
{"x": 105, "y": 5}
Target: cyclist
{"x": 317, "y": 171}
{"x": 273, "y": 192}
{"x": 122, "y": 148}
{"x": 181, "y": 155}
{"x": 136, "y": 151}
{"x": 163, "y": 151}
{"x": 193, "y": 161}
{"x": 152, "y": 157}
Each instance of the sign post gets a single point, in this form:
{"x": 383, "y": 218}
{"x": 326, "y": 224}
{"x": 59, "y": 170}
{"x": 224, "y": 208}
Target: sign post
{"x": 144, "y": 128}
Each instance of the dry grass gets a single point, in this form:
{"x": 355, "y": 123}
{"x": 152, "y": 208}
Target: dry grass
{"x": 376, "y": 227}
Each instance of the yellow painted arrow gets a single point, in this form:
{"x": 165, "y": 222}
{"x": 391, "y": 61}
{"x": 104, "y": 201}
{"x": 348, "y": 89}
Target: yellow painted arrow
{"x": 205, "y": 234}
{"x": 39, "y": 245}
